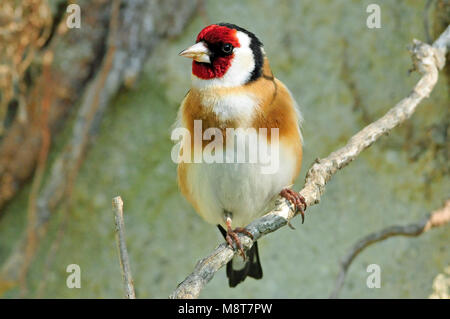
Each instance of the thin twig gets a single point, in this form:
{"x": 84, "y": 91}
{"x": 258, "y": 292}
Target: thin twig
{"x": 117, "y": 204}
{"x": 438, "y": 218}
{"x": 427, "y": 60}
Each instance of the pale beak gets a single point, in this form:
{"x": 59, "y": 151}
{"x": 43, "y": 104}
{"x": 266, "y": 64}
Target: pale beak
{"x": 198, "y": 52}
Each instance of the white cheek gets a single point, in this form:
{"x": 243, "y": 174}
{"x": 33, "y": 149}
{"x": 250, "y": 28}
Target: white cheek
{"x": 238, "y": 73}
{"x": 241, "y": 67}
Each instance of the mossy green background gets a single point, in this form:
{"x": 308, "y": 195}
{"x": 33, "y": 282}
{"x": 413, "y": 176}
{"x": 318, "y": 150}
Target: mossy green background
{"x": 317, "y": 48}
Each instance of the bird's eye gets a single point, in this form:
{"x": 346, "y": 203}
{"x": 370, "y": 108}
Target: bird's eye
{"x": 227, "y": 48}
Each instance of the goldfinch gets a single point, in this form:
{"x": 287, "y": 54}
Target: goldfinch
{"x": 235, "y": 96}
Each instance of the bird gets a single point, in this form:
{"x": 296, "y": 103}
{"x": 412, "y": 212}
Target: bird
{"x": 233, "y": 87}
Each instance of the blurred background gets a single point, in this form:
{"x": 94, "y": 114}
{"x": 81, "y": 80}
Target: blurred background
{"x": 86, "y": 115}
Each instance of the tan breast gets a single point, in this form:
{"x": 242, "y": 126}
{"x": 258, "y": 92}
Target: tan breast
{"x": 275, "y": 108}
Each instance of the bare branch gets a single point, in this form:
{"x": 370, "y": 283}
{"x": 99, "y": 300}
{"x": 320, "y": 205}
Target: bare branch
{"x": 427, "y": 60}
{"x": 117, "y": 204}
{"x": 438, "y": 218}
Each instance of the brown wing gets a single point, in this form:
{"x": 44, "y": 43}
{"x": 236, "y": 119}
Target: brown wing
{"x": 279, "y": 110}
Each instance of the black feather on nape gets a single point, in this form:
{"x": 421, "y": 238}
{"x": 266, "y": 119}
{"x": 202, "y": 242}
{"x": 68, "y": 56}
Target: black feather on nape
{"x": 256, "y": 47}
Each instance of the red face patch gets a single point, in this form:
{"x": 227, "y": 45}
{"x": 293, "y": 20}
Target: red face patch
{"x": 215, "y": 35}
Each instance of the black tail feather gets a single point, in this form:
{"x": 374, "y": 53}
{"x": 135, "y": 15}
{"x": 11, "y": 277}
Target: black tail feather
{"x": 252, "y": 267}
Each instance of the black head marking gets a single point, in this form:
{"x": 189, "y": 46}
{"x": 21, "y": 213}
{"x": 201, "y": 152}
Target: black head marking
{"x": 255, "y": 45}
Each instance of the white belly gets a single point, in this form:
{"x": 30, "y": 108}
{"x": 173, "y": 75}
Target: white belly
{"x": 243, "y": 189}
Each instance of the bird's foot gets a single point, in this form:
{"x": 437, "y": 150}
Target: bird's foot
{"x": 232, "y": 235}
{"x": 296, "y": 199}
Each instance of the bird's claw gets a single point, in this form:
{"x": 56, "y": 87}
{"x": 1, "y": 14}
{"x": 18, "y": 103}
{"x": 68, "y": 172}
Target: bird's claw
{"x": 232, "y": 235}
{"x": 296, "y": 199}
